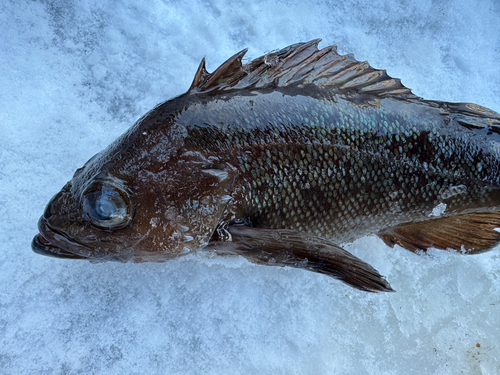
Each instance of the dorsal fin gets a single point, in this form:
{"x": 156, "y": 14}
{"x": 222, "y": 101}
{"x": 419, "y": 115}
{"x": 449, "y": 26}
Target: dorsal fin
{"x": 474, "y": 116}
{"x": 300, "y": 63}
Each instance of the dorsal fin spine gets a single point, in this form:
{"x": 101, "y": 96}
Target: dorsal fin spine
{"x": 200, "y": 76}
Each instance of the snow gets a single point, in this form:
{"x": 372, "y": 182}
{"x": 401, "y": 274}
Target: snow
{"x": 438, "y": 210}
{"x": 75, "y": 75}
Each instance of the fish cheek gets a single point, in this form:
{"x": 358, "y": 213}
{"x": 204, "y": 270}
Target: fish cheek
{"x": 154, "y": 237}
{"x": 178, "y": 206}
{"x": 201, "y": 195}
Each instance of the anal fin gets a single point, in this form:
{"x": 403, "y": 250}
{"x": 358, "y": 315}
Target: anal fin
{"x": 282, "y": 247}
{"x": 471, "y": 233}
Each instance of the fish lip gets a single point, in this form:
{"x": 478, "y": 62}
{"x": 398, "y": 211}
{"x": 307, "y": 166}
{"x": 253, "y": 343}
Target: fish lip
{"x": 42, "y": 246}
{"x": 47, "y": 241}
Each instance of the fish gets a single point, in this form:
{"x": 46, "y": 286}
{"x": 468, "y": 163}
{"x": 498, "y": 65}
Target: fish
{"x": 283, "y": 160}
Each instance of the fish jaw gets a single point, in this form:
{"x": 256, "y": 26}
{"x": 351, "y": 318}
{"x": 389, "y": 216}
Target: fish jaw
{"x": 42, "y": 246}
{"x": 51, "y": 242}
{"x": 54, "y": 243}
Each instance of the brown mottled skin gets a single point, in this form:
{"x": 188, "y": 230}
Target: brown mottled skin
{"x": 281, "y": 160}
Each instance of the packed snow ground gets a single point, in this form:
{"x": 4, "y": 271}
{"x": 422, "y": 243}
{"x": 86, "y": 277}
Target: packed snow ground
{"x": 75, "y": 76}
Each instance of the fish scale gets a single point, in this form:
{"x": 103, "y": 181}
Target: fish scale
{"x": 281, "y": 160}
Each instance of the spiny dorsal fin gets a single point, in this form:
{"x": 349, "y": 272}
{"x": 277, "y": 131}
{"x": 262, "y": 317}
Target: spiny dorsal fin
{"x": 300, "y": 63}
{"x": 470, "y": 233}
{"x": 223, "y": 77}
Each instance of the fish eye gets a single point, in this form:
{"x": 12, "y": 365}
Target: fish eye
{"x": 107, "y": 207}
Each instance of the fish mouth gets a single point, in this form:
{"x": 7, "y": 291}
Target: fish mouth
{"x": 42, "y": 246}
{"x": 54, "y": 244}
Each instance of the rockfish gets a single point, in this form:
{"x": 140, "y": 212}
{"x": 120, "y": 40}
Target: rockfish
{"x": 282, "y": 160}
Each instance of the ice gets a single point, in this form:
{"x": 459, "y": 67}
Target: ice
{"x": 438, "y": 210}
{"x": 75, "y": 75}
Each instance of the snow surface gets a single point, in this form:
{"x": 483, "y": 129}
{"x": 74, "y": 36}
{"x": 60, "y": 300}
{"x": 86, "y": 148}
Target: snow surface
{"x": 75, "y": 75}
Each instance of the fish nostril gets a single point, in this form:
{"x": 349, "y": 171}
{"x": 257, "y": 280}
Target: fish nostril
{"x": 50, "y": 210}
{"x": 41, "y": 223}
{"x": 55, "y": 206}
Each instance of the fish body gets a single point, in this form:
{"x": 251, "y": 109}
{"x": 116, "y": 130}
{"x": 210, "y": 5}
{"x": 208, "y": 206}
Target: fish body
{"x": 281, "y": 160}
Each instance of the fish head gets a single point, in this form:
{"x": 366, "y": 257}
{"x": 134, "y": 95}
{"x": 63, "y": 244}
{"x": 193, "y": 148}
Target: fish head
{"x": 147, "y": 197}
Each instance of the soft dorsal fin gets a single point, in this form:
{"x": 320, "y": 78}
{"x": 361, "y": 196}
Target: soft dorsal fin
{"x": 300, "y": 63}
{"x": 474, "y": 116}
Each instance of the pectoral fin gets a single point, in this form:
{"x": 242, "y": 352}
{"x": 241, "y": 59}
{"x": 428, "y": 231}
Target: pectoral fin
{"x": 471, "y": 233}
{"x": 281, "y": 247}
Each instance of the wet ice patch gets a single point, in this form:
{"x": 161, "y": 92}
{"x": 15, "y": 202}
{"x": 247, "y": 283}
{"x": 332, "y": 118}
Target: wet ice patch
{"x": 438, "y": 210}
